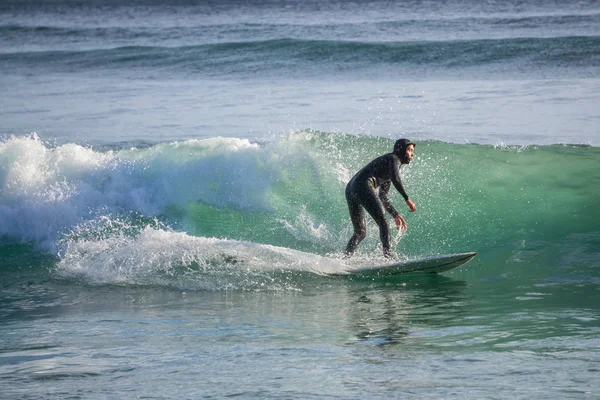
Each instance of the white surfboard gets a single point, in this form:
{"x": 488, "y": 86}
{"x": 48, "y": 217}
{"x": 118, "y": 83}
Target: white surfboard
{"x": 428, "y": 265}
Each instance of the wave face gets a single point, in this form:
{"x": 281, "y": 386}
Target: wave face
{"x": 226, "y": 212}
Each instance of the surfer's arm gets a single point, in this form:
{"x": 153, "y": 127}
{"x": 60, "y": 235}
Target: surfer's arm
{"x": 395, "y": 174}
{"x": 383, "y": 192}
{"x": 383, "y": 195}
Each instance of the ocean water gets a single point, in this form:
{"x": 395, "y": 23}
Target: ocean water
{"x": 171, "y": 199}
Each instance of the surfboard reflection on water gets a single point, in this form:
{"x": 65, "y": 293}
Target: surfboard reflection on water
{"x": 391, "y": 313}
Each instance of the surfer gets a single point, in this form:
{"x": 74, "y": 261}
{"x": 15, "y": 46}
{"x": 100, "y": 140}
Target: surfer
{"x": 368, "y": 190}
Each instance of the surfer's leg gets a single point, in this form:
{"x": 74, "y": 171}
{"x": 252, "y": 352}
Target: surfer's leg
{"x": 375, "y": 208}
{"x": 357, "y": 215}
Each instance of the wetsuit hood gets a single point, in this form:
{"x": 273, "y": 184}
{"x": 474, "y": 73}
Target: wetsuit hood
{"x": 400, "y": 149}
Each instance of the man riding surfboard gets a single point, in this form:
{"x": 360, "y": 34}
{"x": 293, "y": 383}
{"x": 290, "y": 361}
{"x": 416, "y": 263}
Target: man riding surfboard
{"x": 368, "y": 190}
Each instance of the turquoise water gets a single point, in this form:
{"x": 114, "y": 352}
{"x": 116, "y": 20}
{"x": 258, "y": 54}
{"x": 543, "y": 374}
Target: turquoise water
{"x": 169, "y": 230}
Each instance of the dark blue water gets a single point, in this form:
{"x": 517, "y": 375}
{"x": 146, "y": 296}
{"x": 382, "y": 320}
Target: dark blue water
{"x": 102, "y": 72}
{"x": 167, "y": 231}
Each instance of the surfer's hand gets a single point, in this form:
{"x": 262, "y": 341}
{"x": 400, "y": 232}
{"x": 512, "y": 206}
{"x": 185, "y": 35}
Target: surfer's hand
{"x": 411, "y": 205}
{"x": 400, "y": 223}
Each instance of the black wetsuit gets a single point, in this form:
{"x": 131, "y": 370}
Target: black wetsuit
{"x": 362, "y": 194}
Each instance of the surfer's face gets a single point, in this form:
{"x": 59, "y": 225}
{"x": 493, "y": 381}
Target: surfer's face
{"x": 410, "y": 152}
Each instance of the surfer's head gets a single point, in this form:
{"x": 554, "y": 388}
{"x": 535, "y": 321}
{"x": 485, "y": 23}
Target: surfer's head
{"x": 405, "y": 150}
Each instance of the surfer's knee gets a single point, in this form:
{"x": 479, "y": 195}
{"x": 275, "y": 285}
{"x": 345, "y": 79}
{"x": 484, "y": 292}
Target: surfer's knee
{"x": 360, "y": 234}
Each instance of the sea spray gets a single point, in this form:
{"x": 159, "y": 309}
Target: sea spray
{"x": 501, "y": 201}
{"x": 155, "y": 256}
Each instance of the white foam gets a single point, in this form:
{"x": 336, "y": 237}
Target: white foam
{"x": 46, "y": 191}
{"x": 305, "y": 227}
{"x": 163, "y": 257}
{"x": 84, "y": 205}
